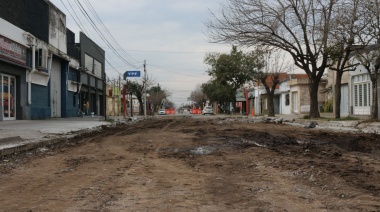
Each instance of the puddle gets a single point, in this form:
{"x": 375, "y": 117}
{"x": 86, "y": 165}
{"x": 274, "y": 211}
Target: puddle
{"x": 203, "y": 150}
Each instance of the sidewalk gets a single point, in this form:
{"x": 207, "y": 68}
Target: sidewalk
{"x": 22, "y": 135}
{"x": 327, "y": 121}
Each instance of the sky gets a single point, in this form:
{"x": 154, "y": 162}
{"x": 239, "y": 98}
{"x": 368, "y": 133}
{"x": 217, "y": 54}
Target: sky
{"x": 169, "y": 34}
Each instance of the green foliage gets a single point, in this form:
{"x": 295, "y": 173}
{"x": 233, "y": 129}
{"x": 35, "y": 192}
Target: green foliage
{"x": 218, "y": 92}
{"x": 348, "y": 118}
{"x": 198, "y": 96}
{"x": 233, "y": 69}
{"x": 335, "y": 51}
{"x": 229, "y": 72}
{"x": 328, "y": 106}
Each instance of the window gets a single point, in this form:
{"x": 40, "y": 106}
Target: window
{"x": 356, "y": 95}
{"x": 360, "y": 94}
{"x": 287, "y": 101}
{"x": 362, "y": 91}
{"x": 97, "y": 68}
{"x": 93, "y": 66}
{"x": 88, "y": 63}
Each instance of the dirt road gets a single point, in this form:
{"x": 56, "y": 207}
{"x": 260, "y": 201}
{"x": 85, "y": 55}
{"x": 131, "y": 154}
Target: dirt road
{"x": 204, "y": 164}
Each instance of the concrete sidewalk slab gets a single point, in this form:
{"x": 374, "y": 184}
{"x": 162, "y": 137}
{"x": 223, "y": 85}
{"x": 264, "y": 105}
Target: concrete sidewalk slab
{"x": 22, "y": 135}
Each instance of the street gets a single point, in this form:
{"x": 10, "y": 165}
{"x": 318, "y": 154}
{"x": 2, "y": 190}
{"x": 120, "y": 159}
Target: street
{"x": 208, "y": 163}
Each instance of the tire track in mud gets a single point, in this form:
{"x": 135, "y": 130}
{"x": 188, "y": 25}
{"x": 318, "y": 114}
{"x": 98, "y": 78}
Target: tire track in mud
{"x": 100, "y": 184}
{"x": 168, "y": 125}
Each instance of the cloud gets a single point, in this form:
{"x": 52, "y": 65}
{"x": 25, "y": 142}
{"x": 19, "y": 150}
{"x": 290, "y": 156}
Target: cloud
{"x": 168, "y": 34}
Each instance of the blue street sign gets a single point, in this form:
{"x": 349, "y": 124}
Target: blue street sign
{"x": 131, "y": 74}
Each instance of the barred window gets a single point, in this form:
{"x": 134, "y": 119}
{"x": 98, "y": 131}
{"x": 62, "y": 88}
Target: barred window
{"x": 362, "y": 94}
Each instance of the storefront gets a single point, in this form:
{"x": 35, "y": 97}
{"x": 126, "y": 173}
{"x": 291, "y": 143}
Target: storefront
{"x": 12, "y": 78}
{"x": 8, "y": 94}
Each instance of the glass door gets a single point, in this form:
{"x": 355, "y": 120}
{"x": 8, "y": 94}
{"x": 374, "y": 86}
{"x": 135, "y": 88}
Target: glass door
{"x": 8, "y": 95}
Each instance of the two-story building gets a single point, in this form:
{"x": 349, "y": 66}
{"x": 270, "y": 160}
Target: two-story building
{"x": 41, "y": 73}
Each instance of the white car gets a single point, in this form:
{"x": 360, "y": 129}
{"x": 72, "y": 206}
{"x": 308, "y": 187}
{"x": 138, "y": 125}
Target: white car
{"x": 207, "y": 110}
{"x": 161, "y": 112}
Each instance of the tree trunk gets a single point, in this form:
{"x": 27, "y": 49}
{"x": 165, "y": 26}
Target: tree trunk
{"x": 338, "y": 94}
{"x": 374, "y": 108}
{"x": 270, "y": 105}
{"x": 313, "y": 90}
{"x": 141, "y": 112}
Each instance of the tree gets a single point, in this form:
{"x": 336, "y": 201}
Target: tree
{"x": 221, "y": 92}
{"x": 198, "y": 96}
{"x": 271, "y": 65}
{"x": 346, "y": 28}
{"x": 138, "y": 88}
{"x": 157, "y": 96}
{"x": 298, "y": 27}
{"x": 370, "y": 56}
{"x": 229, "y": 72}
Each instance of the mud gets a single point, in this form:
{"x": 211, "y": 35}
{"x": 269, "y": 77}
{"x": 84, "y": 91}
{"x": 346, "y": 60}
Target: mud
{"x": 203, "y": 164}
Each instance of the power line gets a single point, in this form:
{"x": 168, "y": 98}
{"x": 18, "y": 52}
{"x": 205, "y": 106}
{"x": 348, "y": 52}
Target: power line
{"x": 106, "y": 29}
{"x": 162, "y": 51}
{"x": 188, "y": 75}
{"x": 81, "y": 24}
{"x": 84, "y": 12}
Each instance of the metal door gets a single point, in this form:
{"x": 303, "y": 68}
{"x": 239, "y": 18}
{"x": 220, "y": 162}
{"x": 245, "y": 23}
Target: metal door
{"x": 295, "y": 102}
{"x": 55, "y": 89}
{"x": 8, "y": 95}
{"x": 344, "y": 100}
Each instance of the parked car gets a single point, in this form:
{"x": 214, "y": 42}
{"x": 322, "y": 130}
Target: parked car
{"x": 207, "y": 110}
{"x": 161, "y": 112}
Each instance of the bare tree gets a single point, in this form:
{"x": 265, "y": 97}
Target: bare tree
{"x": 370, "y": 56}
{"x": 347, "y": 28}
{"x": 269, "y": 76}
{"x": 138, "y": 87}
{"x": 197, "y": 95}
{"x": 299, "y": 27}
{"x": 157, "y": 96}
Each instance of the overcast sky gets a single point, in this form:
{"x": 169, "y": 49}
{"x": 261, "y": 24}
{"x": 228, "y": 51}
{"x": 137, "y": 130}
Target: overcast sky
{"x": 168, "y": 34}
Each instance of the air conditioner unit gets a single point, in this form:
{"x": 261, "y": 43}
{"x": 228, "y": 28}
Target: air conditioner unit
{"x": 41, "y": 59}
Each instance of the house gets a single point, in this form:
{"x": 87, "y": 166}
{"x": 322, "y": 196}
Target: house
{"x": 356, "y": 88}
{"x": 291, "y": 95}
{"x": 300, "y": 96}
{"x": 114, "y": 99}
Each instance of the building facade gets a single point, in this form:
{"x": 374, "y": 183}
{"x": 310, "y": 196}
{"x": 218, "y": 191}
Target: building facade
{"x": 92, "y": 78}
{"x": 40, "y": 69}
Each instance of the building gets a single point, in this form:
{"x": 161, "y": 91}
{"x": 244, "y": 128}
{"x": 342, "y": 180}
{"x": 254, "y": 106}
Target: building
{"x": 92, "y": 75}
{"x": 41, "y": 71}
{"x": 290, "y": 97}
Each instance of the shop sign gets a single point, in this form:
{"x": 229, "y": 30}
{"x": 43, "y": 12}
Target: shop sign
{"x": 12, "y": 51}
{"x": 131, "y": 74}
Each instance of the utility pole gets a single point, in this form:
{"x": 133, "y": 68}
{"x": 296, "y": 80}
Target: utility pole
{"x": 145, "y": 88}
